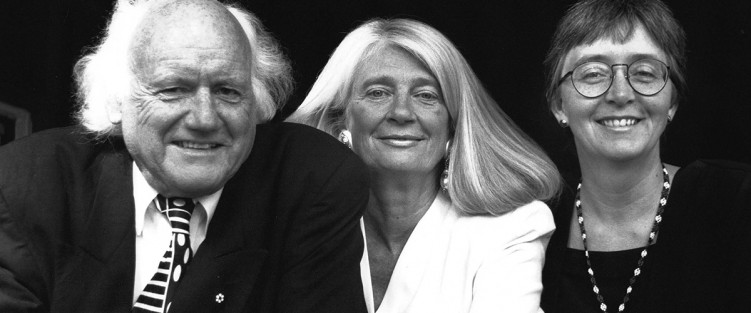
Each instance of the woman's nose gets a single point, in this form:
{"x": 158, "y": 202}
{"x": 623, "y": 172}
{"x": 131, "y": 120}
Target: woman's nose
{"x": 620, "y": 91}
{"x": 401, "y": 109}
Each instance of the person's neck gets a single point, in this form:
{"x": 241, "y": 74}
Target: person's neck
{"x": 621, "y": 192}
{"x": 396, "y": 205}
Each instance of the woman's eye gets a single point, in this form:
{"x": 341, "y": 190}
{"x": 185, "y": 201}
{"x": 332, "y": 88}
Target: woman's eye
{"x": 592, "y": 77}
{"x": 376, "y": 93}
{"x": 644, "y": 74}
{"x": 593, "y": 74}
{"x": 428, "y": 96}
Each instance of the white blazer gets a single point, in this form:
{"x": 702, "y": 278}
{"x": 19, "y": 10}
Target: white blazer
{"x": 453, "y": 263}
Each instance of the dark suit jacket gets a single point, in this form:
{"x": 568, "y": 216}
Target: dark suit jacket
{"x": 284, "y": 238}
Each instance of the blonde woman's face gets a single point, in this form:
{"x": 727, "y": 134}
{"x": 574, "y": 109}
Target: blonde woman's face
{"x": 397, "y": 116}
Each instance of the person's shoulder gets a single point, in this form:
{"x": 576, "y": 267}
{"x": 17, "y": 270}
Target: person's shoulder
{"x": 534, "y": 218}
{"x": 37, "y": 139}
{"x": 707, "y": 185}
{"x": 52, "y": 153}
{"x": 292, "y": 136}
{"x": 302, "y": 148}
{"x": 713, "y": 172}
{"x": 53, "y": 143}
{"x": 706, "y": 165}
{"x": 291, "y": 131}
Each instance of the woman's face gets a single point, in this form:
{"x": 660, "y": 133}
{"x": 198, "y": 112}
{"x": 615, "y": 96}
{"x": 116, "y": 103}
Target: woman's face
{"x": 620, "y": 124}
{"x": 396, "y": 114}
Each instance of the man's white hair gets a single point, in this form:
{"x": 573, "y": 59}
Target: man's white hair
{"x": 104, "y": 77}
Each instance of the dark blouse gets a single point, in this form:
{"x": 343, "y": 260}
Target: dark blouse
{"x": 702, "y": 262}
{"x": 613, "y": 270}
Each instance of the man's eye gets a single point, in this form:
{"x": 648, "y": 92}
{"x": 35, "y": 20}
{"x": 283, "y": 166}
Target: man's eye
{"x": 171, "y": 93}
{"x": 170, "y": 90}
{"x": 229, "y": 94}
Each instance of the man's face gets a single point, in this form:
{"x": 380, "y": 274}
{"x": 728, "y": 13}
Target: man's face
{"x": 191, "y": 122}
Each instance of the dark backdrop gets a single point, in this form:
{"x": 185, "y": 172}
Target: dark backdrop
{"x": 504, "y": 41}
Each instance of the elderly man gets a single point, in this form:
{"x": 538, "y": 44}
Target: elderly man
{"x": 169, "y": 197}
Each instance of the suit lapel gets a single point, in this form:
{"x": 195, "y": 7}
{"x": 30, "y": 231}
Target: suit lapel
{"x": 111, "y": 225}
{"x": 104, "y": 263}
{"x": 415, "y": 257}
{"x": 227, "y": 264}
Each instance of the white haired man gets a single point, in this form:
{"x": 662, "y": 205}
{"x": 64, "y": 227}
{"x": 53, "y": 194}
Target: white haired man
{"x": 171, "y": 196}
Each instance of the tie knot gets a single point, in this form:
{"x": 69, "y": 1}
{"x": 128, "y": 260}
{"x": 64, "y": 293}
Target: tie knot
{"x": 178, "y": 211}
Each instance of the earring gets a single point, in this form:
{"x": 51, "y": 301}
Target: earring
{"x": 346, "y": 138}
{"x": 445, "y": 174}
{"x": 116, "y": 118}
{"x": 563, "y": 123}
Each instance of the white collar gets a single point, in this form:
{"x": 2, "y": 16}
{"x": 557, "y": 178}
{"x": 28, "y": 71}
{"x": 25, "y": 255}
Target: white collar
{"x": 143, "y": 194}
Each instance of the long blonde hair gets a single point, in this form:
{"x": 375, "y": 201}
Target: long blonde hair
{"x": 494, "y": 167}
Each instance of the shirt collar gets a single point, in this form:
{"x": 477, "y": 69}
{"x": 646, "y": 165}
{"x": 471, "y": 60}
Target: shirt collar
{"x": 143, "y": 194}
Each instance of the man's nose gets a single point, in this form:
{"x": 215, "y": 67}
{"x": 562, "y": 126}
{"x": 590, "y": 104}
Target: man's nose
{"x": 203, "y": 113}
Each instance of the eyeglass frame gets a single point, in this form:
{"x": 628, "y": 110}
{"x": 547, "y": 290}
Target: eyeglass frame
{"x": 612, "y": 69}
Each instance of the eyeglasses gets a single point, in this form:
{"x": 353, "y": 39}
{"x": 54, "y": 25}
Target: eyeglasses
{"x": 592, "y": 79}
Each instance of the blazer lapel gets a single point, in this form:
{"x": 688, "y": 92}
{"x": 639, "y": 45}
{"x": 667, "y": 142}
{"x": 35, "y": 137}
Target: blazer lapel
{"x": 417, "y": 253}
{"x": 227, "y": 264}
{"x": 104, "y": 262}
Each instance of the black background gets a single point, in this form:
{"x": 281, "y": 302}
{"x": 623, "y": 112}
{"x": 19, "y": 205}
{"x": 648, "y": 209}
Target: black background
{"x": 504, "y": 41}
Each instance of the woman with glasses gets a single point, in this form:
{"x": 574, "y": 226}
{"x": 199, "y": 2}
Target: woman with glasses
{"x": 637, "y": 234}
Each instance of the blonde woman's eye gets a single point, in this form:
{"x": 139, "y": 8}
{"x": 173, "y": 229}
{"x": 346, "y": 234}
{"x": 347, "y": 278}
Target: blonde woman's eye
{"x": 428, "y": 96}
{"x": 376, "y": 93}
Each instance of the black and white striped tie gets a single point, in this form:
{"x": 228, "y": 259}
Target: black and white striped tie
{"x": 157, "y": 295}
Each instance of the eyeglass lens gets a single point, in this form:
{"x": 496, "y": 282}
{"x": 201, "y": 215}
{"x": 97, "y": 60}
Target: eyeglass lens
{"x": 646, "y": 76}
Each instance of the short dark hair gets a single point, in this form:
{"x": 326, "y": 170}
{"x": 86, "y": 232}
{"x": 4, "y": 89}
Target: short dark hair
{"x": 587, "y": 21}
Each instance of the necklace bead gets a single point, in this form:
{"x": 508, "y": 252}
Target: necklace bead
{"x": 652, "y": 235}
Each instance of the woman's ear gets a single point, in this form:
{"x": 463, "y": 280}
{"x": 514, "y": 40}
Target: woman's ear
{"x": 671, "y": 112}
{"x": 114, "y": 112}
{"x": 345, "y": 137}
{"x": 559, "y": 113}
{"x": 345, "y": 118}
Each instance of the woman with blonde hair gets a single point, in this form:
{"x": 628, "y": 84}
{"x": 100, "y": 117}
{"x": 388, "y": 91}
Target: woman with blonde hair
{"x": 455, "y": 221}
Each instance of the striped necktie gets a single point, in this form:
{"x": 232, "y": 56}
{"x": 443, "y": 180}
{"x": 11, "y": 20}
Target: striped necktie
{"x": 157, "y": 295}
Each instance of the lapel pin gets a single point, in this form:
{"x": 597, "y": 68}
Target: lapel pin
{"x": 219, "y": 298}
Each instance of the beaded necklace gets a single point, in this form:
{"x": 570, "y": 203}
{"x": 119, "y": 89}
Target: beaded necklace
{"x": 640, "y": 263}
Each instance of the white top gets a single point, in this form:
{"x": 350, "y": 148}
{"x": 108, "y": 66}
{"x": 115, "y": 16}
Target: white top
{"x": 154, "y": 232}
{"x": 454, "y": 263}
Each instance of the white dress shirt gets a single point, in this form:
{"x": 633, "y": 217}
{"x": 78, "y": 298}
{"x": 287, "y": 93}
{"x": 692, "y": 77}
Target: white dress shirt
{"x": 453, "y": 263}
{"x": 154, "y": 232}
